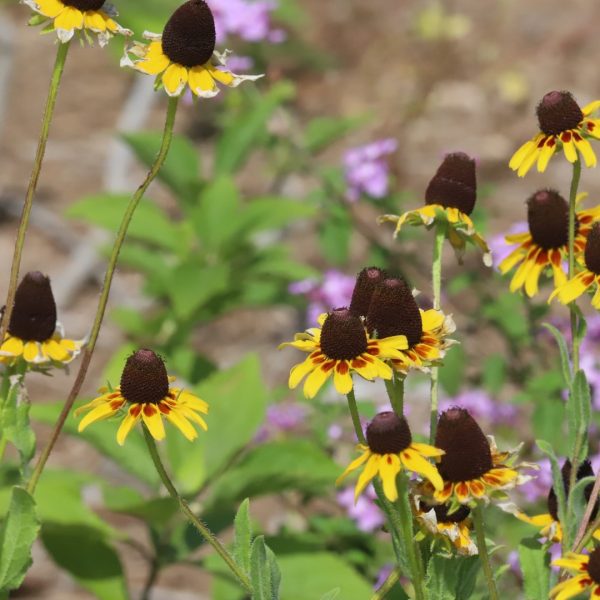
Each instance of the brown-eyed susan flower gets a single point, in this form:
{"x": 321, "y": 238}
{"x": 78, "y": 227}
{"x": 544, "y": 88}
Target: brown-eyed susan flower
{"x": 340, "y": 347}
{"x": 185, "y": 54}
{"x": 366, "y": 283}
{"x": 472, "y": 467}
{"x": 452, "y": 527}
{"x": 586, "y": 571}
{"x": 588, "y": 278}
{"x": 549, "y": 523}
{"x": 449, "y": 200}
{"x": 390, "y": 448}
{"x": 393, "y": 311}
{"x": 33, "y": 334}
{"x": 86, "y": 17}
{"x": 562, "y": 123}
{"x": 546, "y": 246}
{"x": 145, "y": 394}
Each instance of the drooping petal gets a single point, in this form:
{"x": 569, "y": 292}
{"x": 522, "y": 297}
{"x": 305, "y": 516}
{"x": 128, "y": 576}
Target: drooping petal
{"x": 355, "y": 464}
{"x": 317, "y": 378}
{"x": 201, "y": 82}
{"x": 342, "y": 380}
{"x": 300, "y": 371}
{"x": 389, "y": 467}
{"x": 101, "y": 412}
{"x": 132, "y": 417}
{"x": 13, "y": 346}
{"x": 153, "y": 421}
{"x": 69, "y": 19}
{"x": 367, "y": 474}
{"x": 50, "y": 8}
{"x": 174, "y": 79}
{"x": 182, "y": 424}
{"x": 413, "y": 461}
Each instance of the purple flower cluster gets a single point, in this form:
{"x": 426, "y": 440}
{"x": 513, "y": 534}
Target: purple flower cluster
{"x": 333, "y": 292}
{"x": 281, "y": 418}
{"x": 365, "y": 513}
{"x": 482, "y": 406}
{"x": 367, "y": 169}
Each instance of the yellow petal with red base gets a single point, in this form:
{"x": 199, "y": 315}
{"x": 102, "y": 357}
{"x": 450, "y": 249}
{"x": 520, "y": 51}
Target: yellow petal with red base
{"x": 367, "y": 474}
{"x": 389, "y": 467}
{"x": 413, "y": 461}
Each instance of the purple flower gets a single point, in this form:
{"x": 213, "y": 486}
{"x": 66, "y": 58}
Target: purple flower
{"x": 498, "y": 245}
{"x": 281, "y": 418}
{"x": 249, "y": 20}
{"x": 538, "y": 488}
{"x": 384, "y": 573}
{"x": 482, "y": 406}
{"x": 365, "y": 513}
{"x": 367, "y": 169}
{"x": 335, "y": 432}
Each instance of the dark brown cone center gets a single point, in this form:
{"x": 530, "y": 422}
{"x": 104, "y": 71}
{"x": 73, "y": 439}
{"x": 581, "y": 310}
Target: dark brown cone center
{"x": 34, "y": 311}
{"x": 584, "y": 470}
{"x": 388, "y": 433}
{"x": 394, "y": 311}
{"x": 366, "y": 282}
{"x": 443, "y": 516}
{"x": 558, "y": 112}
{"x": 189, "y": 36}
{"x": 594, "y": 565}
{"x": 85, "y": 5}
{"x": 455, "y": 184}
{"x": 343, "y": 336}
{"x": 467, "y": 450}
{"x": 144, "y": 379}
{"x": 548, "y": 218}
{"x": 592, "y": 250}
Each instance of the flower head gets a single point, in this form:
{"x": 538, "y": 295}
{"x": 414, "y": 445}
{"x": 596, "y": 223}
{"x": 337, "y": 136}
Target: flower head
{"x": 341, "y": 346}
{"x": 67, "y": 17}
{"x": 33, "y": 334}
{"x": 588, "y": 277}
{"x": 545, "y": 246}
{"x": 393, "y": 311}
{"x": 449, "y": 200}
{"x": 562, "y": 123}
{"x": 390, "y": 448}
{"x": 367, "y": 169}
{"x": 471, "y": 467}
{"x": 366, "y": 283}
{"x": 451, "y": 526}
{"x": 145, "y": 394}
{"x": 185, "y": 54}
{"x": 586, "y": 568}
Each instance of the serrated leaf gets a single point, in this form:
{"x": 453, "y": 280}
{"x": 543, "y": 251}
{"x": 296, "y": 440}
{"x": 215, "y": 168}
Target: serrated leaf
{"x": 19, "y": 531}
{"x": 243, "y": 536}
{"x": 565, "y": 363}
{"x": 441, "y": 578}
{"x": 260, "y": 573}
{"x": 535, "y": 565}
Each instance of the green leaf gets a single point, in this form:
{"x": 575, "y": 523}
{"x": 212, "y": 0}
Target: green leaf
{"x": 88, "y": 557}
{"x": 323, "y": 131}
{"x": 557, "y": 482}
{"x": 267, "y": 213}
{"x": 244, "y": 132}
{"x": 243, "y": 536}
{"x": 441, "y": 578}
{"x": 311, "y": 575}
{"x": 452, "y": 375}
{"x": 154, "y": 511}
{"x": 149, "y": 223}
{"x": 15, "y": 423}
{"x": 579, "y": 409}
{"x": 565, "y": 363}
{"x": 332, "y": 594}
{"x": 275, "y": 467}
{"x": 577, "y": 503}
{"x": 180, "y": 171}
{"x": 468, "y": 568}
{"x": 335, "y": 232}
{"x": 535, "y": 565}
{"x": 494, "y": 373}
{"x": 275, "y": 574}
{"x": 260, "y": 572}
{"x": 19, "y": 531}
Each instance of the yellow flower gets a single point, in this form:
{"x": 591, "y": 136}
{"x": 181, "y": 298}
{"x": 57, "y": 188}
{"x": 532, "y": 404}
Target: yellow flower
{"x": 145, "y": 389}
{"x": 185, "y": 54}
{"x": 587, "y": 575}
{"x": 452, "y": 527}
{"x": 588, "y": 277}
{"x": 545, "y": 247}
{"x": 33, "y": 333}
{"x": 341, "y": 346}
{"x": 472, "y": 468}
{"x": 390, "y": 449}
{"x": 449, "y": 200}
{"x": 562, "y": 122}
{"x": 85, "y": 16}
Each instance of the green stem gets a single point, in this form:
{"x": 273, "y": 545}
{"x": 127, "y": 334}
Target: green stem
{"x": 484, "y": 556}
{"x": 387, "y": 585}
{"x": 395, "y": 390}
{"x": 104, "y": 294}
{"x": 436, "y": 285}
{"x": 59, "y": 65}
{"x": 355, "y": 417}
{"x": 202, "y": 529}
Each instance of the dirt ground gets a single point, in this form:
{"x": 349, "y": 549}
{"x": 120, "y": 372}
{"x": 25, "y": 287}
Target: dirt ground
{"x": 475, "y": 93}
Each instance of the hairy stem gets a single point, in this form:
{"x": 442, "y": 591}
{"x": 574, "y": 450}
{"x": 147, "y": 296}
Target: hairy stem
{"x": 202, "y": 529}
{"x": 483, "y": 551}
{"x": 387, "y": 585}
{"x": 59, "y": 66}
{"x": 104, "y": 294}
{"x": 355, "y": 417}
{"x": 395, "y": 391}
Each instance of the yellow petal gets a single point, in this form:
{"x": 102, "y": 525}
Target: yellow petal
{"x": 182, "y": 424}
{"x": 201, "y": 82}
{"x": 432, "y": 319}
{"x": 355, "y": 464}
{"x": 586, "y": 150}
{"x": 174, "y": 79}
{"x": 570, "y": 150}
{"x": 413, "y": 461}
{"x": 300, "y": 371}
{"x": 546, "y": 154}
{"x": 12, "y": 345}
{"x": 188, "y": 399}
{"x": 367, "y": 475}
{"x": 523, "y": 152}
{"x": 342, "y": 380}
{"x": 94, "y": 20}
{"x": 316, "y": 379}
{"x": 101, "y": 412}
{"x": 153, "y": 421}
{"x": 574, "y": 287}
{"x": 55, "y": 351}
{"x": 50, "y": 8}
{"x": 154, "y": 61}
{"x": 132, "y": 417}
{"x": 68, "y": 19}
{"x": 588, "y": 109}
{"x": 225, "y": 77}
{"x": 427, "y": 450}
{"x": 533, "y": 276}
{"x": 569, "y": 588}
{"x": 529, "y": 160}
{"x": 32, "y": 352}
{"x": 389, "y": 467}
{"x": 193, "y": 416}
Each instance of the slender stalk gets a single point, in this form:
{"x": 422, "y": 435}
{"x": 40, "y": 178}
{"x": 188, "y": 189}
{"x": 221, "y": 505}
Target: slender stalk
{"x": 583, "y": 533}
{"x": 483, "y": 552}
{"x": 355, "y": 417}
{"x": 202, "y": 529}
{"x": 395, "y": 390}
{"x": 150, "y": 579}
{"x": 104, "y": 294}
{"x": 57, "y": 71}
{"x": 387, "y": 585}
{"x": 436, "y": 285}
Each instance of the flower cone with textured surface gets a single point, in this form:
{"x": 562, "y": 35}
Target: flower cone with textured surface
{"x": 393, "y": 311}
{"x": 67, "y": 17}
{"x": 586, "y": 570}
{"x": 562, "y": 122}
{"x": 390, "y": 448}
{"x": 366, "y": 283}
{"x": 340, "y": 347}
{"x": 545, "y": 247}
{"x": 146, "y": 395}
{"x": 588, "y": 278}
{"x": 185, "y": 54}
{"x": 33, "y": 334}
{"x": 449, "y": 200}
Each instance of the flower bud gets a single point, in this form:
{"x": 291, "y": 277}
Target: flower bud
{"x": 388, "y": 433}
{"x": 366, "y": 282}
{"x": 343, "y": 336}
{"x": 548, "y": 218}
{"x": 144, "y": 379}
{"x": 558, "y": 112}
